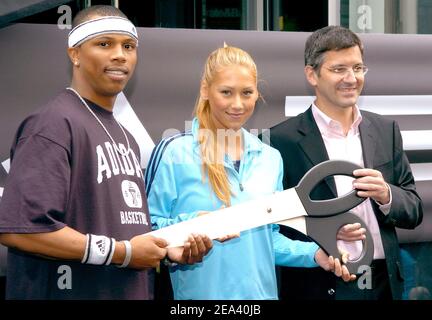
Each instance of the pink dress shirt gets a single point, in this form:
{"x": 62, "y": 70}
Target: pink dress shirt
{"x": 348, "y": 147}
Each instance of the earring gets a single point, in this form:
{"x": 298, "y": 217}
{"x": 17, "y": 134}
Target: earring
{"x": 76, "y": 63}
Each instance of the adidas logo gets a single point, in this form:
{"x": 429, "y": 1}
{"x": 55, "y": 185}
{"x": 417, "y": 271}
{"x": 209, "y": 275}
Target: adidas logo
{"x": 101, "y": 246}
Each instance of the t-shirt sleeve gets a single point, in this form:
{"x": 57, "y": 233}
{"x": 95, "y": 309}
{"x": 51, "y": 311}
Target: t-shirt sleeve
{"x": 36, "y": 191}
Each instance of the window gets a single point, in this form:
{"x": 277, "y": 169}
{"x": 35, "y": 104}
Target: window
{"x": 387, "y": 16}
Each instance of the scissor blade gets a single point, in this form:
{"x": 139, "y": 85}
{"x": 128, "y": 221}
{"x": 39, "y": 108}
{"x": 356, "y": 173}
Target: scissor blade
{"x": 247, "y": 215}
{"x": 298, "y": 223}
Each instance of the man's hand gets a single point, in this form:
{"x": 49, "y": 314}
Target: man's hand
{"x": 147, "y": 251}
{"x": 351, "y": 232}
{"x": 334, "y": 265}
{"x": 193, "y": 251}
{"x": 372, "y": 184}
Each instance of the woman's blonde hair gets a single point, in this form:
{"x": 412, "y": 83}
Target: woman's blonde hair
{"x": 212, "y": 157}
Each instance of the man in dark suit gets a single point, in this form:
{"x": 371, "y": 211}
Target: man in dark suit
{"x": 334, "y": 128}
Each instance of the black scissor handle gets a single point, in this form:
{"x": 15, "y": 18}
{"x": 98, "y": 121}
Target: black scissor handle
{"x": 333, "y": 206}
{"x": 323, "y": 231}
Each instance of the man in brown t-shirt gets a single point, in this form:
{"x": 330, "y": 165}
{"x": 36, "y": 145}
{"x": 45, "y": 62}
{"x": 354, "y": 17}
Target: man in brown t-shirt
{"x": 74, "y": 208}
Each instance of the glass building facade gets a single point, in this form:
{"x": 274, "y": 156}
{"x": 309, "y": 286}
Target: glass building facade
{"x": 366, "y": 16}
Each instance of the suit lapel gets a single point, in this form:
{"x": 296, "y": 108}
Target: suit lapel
{"x": 367, "y": 141}
{"x": 312, "y": 144}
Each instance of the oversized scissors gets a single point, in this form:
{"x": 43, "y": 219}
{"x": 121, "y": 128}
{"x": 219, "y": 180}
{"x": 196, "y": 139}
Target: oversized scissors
{"x": 318, "y": 219}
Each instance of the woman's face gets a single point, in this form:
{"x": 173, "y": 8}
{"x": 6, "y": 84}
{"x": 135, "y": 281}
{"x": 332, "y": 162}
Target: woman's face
{"x": 232, "y": 96}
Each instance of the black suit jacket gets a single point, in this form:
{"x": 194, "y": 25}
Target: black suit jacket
{"x": 301, "y": 146}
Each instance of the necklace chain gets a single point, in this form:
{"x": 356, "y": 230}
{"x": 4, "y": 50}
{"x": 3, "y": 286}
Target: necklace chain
{"x": 102, "y": 125}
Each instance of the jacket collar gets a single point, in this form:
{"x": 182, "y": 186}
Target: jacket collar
{"x": 368, "y": 140}
{"x": 313, "y": 145}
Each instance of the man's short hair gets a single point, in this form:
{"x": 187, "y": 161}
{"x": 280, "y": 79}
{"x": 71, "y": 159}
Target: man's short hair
{"x": 326, "y": 39}
{"x": 96, "y": 11}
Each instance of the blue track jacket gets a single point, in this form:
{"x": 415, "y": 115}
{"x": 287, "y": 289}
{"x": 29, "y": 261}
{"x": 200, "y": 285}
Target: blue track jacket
{"x": 242, "y": 268}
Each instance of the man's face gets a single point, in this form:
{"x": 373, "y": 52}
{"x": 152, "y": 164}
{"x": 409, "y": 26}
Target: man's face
{"x": 333, "y": 89}
{"x": 106, "y": 63}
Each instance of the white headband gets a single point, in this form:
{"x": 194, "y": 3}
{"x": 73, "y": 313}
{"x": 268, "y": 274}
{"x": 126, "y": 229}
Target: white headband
{"x": 93, "y": 28}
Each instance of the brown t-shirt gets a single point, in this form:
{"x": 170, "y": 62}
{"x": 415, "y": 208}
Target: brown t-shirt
{"x": 65, "y": 171}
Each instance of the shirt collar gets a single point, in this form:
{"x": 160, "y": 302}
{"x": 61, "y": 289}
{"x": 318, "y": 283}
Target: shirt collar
{"x": 328, "y": 125}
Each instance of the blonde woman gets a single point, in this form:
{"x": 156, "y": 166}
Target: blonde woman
{"x": 218, "y": 163}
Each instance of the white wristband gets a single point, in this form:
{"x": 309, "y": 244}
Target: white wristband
{"x": 99, "y": 250}
{"x": 128, "y": 254}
